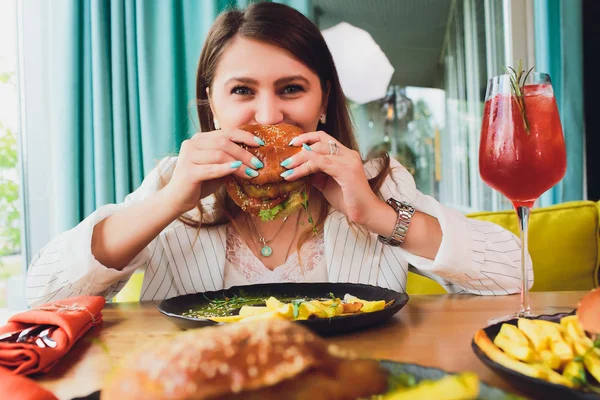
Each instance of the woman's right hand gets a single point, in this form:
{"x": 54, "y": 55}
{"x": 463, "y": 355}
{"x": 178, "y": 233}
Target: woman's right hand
{"x": 203, "y": 162}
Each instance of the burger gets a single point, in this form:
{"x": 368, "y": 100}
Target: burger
{"x": 588, "y": 312}
{"x": 268, "y": 195}
{"x": 260, "y": 360}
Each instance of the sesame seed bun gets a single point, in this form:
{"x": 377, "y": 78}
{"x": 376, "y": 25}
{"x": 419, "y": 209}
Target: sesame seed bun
{"x": 260, "y": 359}
{"x": 269, "y": 196}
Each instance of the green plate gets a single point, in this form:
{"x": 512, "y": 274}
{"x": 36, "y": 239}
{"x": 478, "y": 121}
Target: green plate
{"x": 420, "y": 373}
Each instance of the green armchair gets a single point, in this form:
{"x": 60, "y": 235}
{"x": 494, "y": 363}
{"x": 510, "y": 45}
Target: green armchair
{"x": 563, "y": 243}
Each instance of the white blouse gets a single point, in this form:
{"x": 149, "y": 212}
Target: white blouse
{"x": 474, "y": 256}
{"x": 242, "y": 267}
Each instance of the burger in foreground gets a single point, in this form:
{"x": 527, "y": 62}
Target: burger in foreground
{"x": 272, "y": 359}
{"x": 588, "y": 312}
{"x": 269, "y": 196}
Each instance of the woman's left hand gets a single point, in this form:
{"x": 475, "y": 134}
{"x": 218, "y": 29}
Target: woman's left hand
{"x": 338, "y": 174}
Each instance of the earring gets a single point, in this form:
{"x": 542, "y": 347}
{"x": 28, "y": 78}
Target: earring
{"x": 216, "y": 123}
{"x": 323, "y": 118}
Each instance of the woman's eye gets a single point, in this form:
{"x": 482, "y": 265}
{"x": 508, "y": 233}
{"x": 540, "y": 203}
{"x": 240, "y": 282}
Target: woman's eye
{"x": 292, "y": 89}
{"x": 241, "y": 90}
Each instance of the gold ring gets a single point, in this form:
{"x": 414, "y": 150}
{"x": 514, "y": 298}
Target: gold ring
{"x": 309, "y": 168}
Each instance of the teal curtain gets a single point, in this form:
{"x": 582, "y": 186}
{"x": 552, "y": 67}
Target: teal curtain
{"x": 559, "y": 51}
{"x": 122, "y": 81}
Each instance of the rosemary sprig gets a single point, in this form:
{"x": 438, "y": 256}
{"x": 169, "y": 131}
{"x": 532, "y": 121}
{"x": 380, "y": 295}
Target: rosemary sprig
{"x": 518, "y": 78}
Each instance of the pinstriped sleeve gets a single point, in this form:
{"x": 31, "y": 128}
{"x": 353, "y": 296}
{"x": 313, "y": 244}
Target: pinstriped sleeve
{"x": 66, "y": 267}
{"x": 475, "y": 257}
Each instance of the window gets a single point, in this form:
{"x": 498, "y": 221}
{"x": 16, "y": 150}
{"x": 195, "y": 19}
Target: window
{"x": 475, "y": 51}
{"x": 12, "y": 270}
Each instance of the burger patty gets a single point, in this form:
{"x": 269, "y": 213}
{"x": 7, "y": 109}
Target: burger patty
{"x": 269, "y": 191}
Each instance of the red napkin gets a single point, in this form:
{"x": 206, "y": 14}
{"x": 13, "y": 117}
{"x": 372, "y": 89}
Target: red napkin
{"x": 22, "y": 388}
{"x": 73, "y": 316}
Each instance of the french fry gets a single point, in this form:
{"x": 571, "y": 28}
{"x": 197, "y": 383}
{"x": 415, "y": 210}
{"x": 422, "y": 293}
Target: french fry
{"x": 227, "y": 319}
{"x": 329, "y": 311}
{"x": 563, "y": 351}
{"x": 565, "y": 320}
{"x": 306, "y": 310}
{"x": 572, "y": 331}
{"x": 552, "y": 329}
{"x": 550, "y": 359}
{"x": 539, "y": 339}
{"x": 580, "y": 342}
{"x": 495, "y": 354}
{"x": 352, "y": 308}
{"x": 591, "y": 360}
{"x": 370, "y": 306}
{"x": 259, "y": 317}
{"x": 273, "y": 304}
{"x": 554, "y": 377}
{"x": 515, "y": 350}
{"x": 514, "y": 334}
{"x": 286, "y": 310}
{"x": 572, "y": 319}
{"x": 574, "y": 371}
{"x": 367, "y": 306}
{"x": 463, "y": 386}
{"x": 248, "y": 311}
{"x": 582, "y": 345}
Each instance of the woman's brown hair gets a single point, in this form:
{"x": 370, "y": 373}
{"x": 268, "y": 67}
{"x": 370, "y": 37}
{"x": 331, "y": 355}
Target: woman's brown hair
{"x": 284, "y": 27}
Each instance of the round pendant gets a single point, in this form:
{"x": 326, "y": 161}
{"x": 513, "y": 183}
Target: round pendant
{"x": 266, "y": 251}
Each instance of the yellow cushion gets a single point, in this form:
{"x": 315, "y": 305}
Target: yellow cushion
{"x": 563, "y": 242}
{"x": 132, "y": 290}
{"x": 417, "y": 284}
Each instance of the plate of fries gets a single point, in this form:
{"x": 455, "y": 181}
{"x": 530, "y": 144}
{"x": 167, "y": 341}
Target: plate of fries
{"x": 550, "y": 356}
{"x": 325, "y": 308}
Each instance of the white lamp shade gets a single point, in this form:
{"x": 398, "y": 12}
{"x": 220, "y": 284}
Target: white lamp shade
{"x": 364, "y": 70}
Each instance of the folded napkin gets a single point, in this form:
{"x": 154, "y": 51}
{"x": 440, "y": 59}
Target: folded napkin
{"x": 73, "y": 316}
{"x": 22, "y": 388}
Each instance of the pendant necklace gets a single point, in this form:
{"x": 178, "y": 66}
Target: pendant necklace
{"x": 266, "y": 250}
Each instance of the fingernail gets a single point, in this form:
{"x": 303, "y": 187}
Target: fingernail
{"x": 235, "y": 164}
{"x": 287, "y": 173}
{"x": 250, "y": 172}
{"x": 257, "y": 163}
{"x": 291, "y": 142}
{"x": 286, "y": 162}
{"x": 306, "y": 147}
{"x": 259, "y": 140}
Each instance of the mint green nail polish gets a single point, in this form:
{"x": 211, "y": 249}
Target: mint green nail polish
{"x": 306, "y": 147}
{"x": 257, "y": 163}
{"x": 286, "y": 162}
{"x": 259, "y": 140}
{"x": 250, "y": 172}
{"x": 287, "y": 173}
{"x": 291, "y": 143}
{"x": 235, "y": 164}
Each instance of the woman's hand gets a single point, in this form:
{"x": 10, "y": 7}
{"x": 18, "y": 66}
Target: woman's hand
{"x": 339, "y": 176}
{"x": 205, "y": 159}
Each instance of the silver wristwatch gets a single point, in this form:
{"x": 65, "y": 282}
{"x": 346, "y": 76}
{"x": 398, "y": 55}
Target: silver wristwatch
{"x": 405, "y": 213}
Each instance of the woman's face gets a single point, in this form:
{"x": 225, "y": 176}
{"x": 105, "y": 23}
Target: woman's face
{"x": 258, "y": 83}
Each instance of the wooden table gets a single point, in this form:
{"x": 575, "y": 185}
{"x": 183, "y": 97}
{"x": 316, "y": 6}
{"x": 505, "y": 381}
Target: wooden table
{"x": 430, "y": 330}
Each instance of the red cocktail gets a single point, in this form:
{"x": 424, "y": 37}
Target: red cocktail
{"x": 520, "y": 164}
{"x": 522, "y": 150}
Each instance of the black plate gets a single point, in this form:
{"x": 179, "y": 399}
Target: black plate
{"x": 418, "y": 371}
{"x": 176, "y": 306}
{"x": 537, "y": 388}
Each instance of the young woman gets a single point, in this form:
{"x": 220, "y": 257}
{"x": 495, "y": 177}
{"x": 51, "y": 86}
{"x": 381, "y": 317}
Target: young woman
{"x": 269, "y": 65}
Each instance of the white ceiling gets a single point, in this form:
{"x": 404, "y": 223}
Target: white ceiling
{"x": 410, "y": 32}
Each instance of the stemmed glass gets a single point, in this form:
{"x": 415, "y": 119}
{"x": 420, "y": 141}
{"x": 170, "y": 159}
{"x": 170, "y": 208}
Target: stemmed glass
{"x": 522, "y": 150}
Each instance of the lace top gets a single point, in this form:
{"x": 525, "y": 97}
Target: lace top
{"x": 242, "y": 267}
